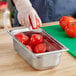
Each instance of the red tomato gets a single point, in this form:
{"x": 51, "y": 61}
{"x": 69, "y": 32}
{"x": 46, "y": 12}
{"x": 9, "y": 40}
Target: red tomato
{"x": 29, "y": 47}
{"x": 32, "y": 45}
{"x": 36, "y": 39}
{"x": 65, "y": 20}
{"x": 22, "y": 38}
{"x": 37, "y": 23}
{"x": 40, "y": 48}
{"x": 70, "y": 29}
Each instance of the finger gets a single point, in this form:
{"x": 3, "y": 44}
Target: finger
{"x": 20, "y": 19}
{"x": 23, "y": 19}
{"x": 33, "y": 20}
{"x": 23, "y": 22}
{"x": 26, "y": 20}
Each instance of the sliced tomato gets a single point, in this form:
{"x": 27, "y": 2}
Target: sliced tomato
{"x": 32, "y": 45}
{"x": 40, "y": 48}
{"x": 37, "y": 23}
{"x": 22, "y": 38}
{"x": 29, "y": 47}
{"x": 36, "y": 39}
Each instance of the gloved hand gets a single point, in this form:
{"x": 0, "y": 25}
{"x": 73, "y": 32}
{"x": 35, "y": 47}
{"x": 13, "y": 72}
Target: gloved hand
{"x": 25, "y": 10}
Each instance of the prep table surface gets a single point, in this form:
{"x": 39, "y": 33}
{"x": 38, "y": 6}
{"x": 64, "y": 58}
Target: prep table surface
{"x": 12, "y": 64}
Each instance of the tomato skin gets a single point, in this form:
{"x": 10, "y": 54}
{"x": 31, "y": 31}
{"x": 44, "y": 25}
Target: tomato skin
{"x": 70, "y": 29}
{"x": 29, "y": 47}
{"x": 40, "y": 48}
{"x": 65, "y": 20}
{"x": 37, "y": 23}
{"x": 22, "y": 38}
{"x": 36, "y": 39}
{"x": 32, "y": 45}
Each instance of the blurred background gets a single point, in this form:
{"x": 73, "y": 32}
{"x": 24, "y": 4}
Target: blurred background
{"x": 10, "y": 6}
{"x": 11, "y": 10}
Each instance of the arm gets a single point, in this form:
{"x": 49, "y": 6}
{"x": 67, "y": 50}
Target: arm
{"x": 25, "y": 10}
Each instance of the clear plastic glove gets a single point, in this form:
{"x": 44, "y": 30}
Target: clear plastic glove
{"x": 25, "y": 10}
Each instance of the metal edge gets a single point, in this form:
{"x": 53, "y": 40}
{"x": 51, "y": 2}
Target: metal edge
{"x": 64, "y": 48}
{"x": 56, "y": 40}
{"x": 51, "y": 52}
{"x": 9, "y": 31}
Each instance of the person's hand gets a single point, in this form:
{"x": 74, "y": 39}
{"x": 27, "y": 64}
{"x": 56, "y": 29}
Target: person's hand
{"x": 25, "y": 10}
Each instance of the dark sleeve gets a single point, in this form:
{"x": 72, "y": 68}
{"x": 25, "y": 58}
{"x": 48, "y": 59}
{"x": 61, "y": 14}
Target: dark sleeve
{"x": 12, "y": 2}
